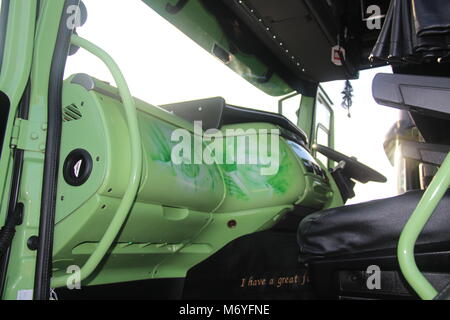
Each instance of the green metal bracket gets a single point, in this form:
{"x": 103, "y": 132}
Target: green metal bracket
{"x": 414, "y": 227}
{"x": 282, "y": 100}
{"x": 29, "y": 135}
{"x": 136, "y": 164}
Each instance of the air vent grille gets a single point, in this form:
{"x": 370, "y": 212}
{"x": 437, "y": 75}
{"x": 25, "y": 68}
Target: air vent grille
{"x": 71, "y": 113}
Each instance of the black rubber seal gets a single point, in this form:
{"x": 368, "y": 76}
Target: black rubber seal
{"x": 77, "y": 176}
{"x": 43, "y": 272}
{"x": 174, "y": 9}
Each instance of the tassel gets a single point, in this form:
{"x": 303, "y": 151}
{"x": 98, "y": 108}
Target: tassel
{"x": 347, "y": 99}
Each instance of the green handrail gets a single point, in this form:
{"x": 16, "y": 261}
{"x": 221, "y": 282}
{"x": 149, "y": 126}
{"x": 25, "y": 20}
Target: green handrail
{"x": 414, "y": 227}
{"x": 136, "y": 164}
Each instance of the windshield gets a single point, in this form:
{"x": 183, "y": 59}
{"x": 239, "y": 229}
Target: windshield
{"x": 160, "y": 63}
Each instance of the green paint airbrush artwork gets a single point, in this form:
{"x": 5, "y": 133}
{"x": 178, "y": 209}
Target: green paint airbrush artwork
{"x": 177, "y": 205}
{"x": 104, "y": 195}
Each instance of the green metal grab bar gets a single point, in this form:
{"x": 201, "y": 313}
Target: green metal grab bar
{"x": 136, "y": 164}
{"x": 414, "y": 227}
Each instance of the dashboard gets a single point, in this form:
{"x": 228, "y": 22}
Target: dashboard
{"x": 308, "y": 161}
{"x": 318, "y": 188}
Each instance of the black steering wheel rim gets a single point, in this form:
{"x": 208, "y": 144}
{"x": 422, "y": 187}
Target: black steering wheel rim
{"x": 353, "y": 168}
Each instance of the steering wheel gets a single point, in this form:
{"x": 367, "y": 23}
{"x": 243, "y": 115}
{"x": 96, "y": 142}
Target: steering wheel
{"x": 353, "y": 168}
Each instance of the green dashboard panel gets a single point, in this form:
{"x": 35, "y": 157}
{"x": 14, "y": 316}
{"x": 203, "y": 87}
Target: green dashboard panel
{"x": 183, "y": 212}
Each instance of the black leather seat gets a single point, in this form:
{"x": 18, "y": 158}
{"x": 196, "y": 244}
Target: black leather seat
{"x": 370, "y": 228}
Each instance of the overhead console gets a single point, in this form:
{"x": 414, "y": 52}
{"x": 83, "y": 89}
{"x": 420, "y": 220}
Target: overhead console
{"x": 303, "y": 34}
{"x": 293, "y": 45}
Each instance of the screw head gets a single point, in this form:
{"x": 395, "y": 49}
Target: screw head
{"x": 232, "y": 224}
{"x": 33, "y": 243}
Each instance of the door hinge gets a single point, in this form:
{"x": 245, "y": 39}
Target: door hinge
{"x": 29, "y": 135}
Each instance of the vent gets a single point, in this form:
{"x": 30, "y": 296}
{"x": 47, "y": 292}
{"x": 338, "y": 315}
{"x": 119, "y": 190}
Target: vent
{"x": 71, "y": 113}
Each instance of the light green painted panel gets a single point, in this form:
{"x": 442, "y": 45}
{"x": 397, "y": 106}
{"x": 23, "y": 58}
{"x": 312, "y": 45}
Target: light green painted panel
{"x": 29, "y": 43}
{"x": 69, "y": 197}
{"x": 182, "y": 212}
{"x": 247, "y": 185}
{"x": 194, "y": 186}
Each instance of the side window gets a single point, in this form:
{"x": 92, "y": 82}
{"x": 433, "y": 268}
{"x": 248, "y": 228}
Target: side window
{"x": 323, "y": 124}
{"x": 289, "y": 107}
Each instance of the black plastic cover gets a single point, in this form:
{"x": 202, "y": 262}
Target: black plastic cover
{"x": 215, "y": 113}
{"x": 425, "y": 95}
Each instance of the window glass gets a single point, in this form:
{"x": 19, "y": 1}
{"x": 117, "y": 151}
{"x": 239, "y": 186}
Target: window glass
{"x": 291, "y": 107}
{"x": 322, "y": 127}
{"x": 160, "y": 63}
{"x": 322, "y": 139}
{"x": 323, "y": 117}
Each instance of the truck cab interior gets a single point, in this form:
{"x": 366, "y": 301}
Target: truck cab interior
{"x": 118, "y": 206}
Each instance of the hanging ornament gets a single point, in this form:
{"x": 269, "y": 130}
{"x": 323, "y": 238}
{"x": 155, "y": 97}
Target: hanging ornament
{"x": 347, "y": 99}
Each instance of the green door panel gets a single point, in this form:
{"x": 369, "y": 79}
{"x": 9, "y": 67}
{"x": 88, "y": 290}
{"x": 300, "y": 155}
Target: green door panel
{"x": 80, "y": 115}
{"x": 14, "y": 75}
{"x": 29, "y": 50}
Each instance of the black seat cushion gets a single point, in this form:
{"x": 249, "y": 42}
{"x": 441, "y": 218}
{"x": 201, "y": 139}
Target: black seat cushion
{"x": 369, "y": 227}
